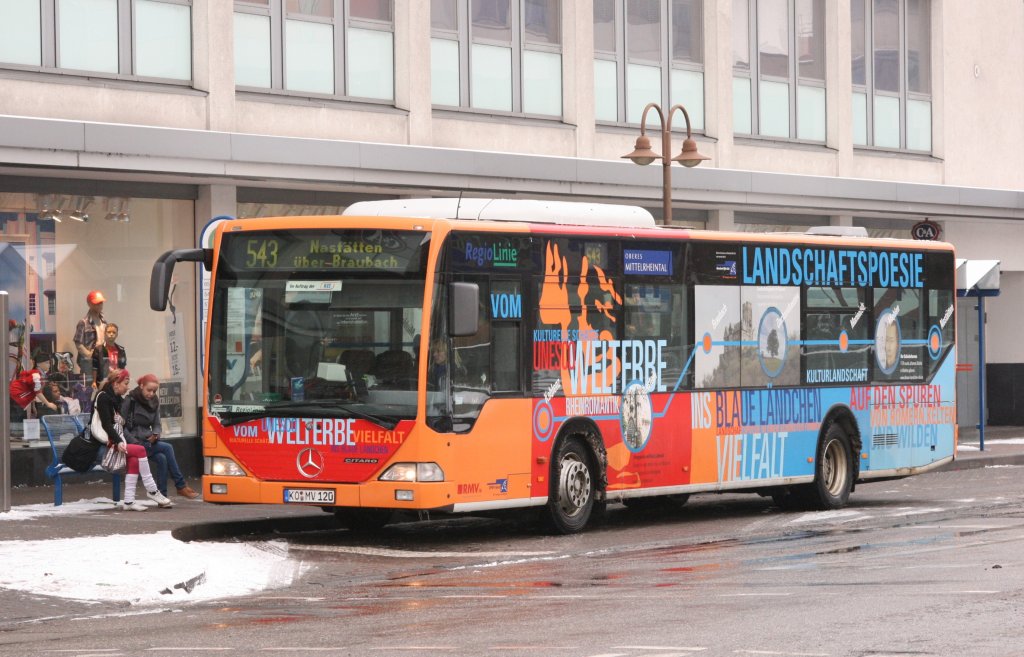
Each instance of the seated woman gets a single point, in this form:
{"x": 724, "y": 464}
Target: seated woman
{"x": 141, "y": 411}
{"x": 107, "y": 406}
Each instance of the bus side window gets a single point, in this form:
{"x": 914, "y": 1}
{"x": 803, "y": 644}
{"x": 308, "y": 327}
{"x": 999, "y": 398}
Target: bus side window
{"x": 505, "y": 313}
{"x": 658, "y": 312}
{"x": 900, "y": 349}
{"x": 469, "y": 367}
{"x": 472, "y": 356}
{"x": 717, "y": 313}
{"x": 831, "y": 312}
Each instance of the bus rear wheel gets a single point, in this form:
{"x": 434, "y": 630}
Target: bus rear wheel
{"x": 833, "y": 471}
{"x": 572, "y": 497}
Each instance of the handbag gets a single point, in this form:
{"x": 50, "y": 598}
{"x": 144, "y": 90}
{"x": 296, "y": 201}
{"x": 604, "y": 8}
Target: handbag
{"x": 96, "y": 429}
{"x": 80, "y": 454}
{"x": 114, "y": 461}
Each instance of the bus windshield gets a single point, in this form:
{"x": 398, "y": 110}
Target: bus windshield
{"x": 317, "y": 323}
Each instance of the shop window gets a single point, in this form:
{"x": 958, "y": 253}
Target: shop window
{"x": 497, "y": 55}
{"x": 147, "y": 39}
{"x": 891, "y": 71}
{"x": 648, "y": 51}
{"x": 323, "y": 48}
{"x": 93, "y": 256}
{"x": 779, "y": 68}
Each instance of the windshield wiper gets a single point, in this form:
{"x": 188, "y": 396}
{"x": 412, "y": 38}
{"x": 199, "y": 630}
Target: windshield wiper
{"x": 299, "y": 409}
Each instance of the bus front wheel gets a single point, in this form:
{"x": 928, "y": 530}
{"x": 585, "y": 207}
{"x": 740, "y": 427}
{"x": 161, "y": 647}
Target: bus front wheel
{"x": 833, "y": 471}
{"x": 572, "y": 497}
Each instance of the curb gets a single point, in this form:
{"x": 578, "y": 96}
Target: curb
{"x": 209, "y": 531}
{"x": 975, "y": 462}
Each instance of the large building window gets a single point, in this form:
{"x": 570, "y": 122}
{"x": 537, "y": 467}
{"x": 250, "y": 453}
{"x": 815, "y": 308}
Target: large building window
{"x": 497, "y": 55}
{"x": 648, "y": 51}
{"x": 892, "y": 74}
{"x": 104, "y": 243}
{"x": 316, "y": 47}
{"x": 148, "y": 39}
{"x": 779, "y": 68}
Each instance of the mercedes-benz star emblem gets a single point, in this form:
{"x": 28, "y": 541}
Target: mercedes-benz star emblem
{"x": 310, "y": 463}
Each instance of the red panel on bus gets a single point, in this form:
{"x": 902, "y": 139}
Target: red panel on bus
{"x": 339, "y": 450}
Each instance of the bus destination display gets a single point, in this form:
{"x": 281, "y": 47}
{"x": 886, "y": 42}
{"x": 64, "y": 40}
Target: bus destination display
{"x": 377, "y": 251}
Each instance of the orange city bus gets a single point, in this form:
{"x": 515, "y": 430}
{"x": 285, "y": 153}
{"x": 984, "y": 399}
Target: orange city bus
{"x": 448, "y": 355}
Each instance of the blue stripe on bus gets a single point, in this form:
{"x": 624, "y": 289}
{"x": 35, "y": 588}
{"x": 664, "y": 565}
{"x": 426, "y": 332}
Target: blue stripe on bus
{"x": 730, "y": 343}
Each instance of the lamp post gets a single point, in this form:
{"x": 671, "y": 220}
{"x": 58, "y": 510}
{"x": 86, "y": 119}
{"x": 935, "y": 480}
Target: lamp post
{"x": 643, "y": 155}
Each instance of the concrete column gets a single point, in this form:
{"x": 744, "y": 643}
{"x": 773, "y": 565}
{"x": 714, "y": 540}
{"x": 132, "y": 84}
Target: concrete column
{"x": 841, "y": 220}
{"x": 724, "y": 220}
{"x": 214, "y": 201}
{"x": 940, "y": 9}
{"x": 412, "y": 69}
{"x": 213, "y": 60}
{"x": 838, "y": 85}
{"x": 578, "y": 74}
{"x": 718, "y": 82}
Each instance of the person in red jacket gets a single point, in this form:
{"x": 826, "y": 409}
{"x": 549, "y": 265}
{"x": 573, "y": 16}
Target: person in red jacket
{"x": 25, "y": 389}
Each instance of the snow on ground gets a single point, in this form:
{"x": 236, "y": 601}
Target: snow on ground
{"x": 29, "y": 511}
{"x": 141, "y": 569}
{"x": 974, "y": 446}
{"x": 839, "y": 515}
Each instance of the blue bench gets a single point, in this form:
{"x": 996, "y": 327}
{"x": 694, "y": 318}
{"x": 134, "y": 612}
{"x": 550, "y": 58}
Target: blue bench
{"x": 65, "y": 427}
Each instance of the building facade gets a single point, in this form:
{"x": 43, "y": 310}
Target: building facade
{"x": 154, "y": 116}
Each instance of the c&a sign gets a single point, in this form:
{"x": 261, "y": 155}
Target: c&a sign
{"x": 926, "y": 230}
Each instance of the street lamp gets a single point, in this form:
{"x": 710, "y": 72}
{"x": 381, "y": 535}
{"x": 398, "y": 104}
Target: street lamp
{"x": 643, "y": 155}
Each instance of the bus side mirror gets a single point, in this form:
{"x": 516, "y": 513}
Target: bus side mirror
{"x": 463, "y": 309}
{"x": 160, "y": 279}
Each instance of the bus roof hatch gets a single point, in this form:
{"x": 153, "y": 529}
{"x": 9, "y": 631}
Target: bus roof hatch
{"x": 528, "y": 211}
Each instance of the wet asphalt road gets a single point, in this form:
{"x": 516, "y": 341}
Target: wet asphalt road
{"x": 925, "y": 566}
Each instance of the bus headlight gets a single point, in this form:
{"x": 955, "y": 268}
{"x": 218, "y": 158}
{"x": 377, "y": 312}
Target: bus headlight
{"x": 222, "y": 467}
{"x": 413, "y": 472}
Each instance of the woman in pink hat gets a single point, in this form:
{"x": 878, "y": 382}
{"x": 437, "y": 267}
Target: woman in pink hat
{"x": 108, "y": 406}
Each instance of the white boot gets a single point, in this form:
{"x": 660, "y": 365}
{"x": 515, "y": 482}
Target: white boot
{"x": 130, "y": 480}
{"x": 151, "y": 490}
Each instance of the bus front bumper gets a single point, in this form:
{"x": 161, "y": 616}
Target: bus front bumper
{"x": 371, "y": 494}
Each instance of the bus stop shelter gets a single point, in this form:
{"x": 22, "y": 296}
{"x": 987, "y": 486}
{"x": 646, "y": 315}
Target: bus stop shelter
{"x": 979, "y": 279}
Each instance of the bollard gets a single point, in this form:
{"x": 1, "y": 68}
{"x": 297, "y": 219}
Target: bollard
{"x": 5, "y": 417}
